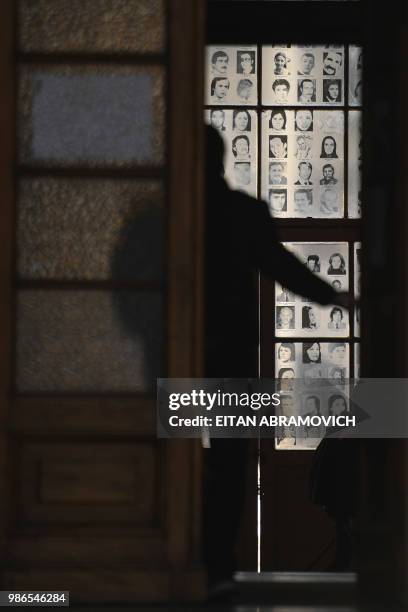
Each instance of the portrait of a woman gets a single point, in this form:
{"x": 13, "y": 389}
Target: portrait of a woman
{"x": 329, "y": 148}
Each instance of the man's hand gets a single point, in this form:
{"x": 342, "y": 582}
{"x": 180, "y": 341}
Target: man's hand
{"x": 345, "y": 300}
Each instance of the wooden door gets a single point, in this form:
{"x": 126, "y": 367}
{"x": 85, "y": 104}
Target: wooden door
{"x": 107, "y": 122}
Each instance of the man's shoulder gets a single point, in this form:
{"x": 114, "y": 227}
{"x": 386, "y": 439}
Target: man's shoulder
{"x": 247, "y": 202}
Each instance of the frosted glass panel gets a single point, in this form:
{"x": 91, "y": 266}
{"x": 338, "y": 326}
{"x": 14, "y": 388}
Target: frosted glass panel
{"x": 357, "y": 349}
{"x": 296, "y": 316}
{"x": 355, "y": 164}
{"x": 91, "y": 116}
{"x": 303, "y": 154}
{"x": 302, "y": 76}
{"x": 231, "y": 75}
{"x": 93, "y": 26}
{"x": 88, "y": 341}
{"x": 238, "y": 129}
{"x": 90, "y": 229}
{"x": 355, "y": 76}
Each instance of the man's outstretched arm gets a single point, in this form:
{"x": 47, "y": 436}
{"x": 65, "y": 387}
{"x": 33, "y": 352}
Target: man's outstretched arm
{"x": 275, "y": 261}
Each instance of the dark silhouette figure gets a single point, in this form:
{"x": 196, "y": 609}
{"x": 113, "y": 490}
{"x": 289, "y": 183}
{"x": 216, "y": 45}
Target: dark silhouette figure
{"x": 334, "y": 487}
{"x": 241, "y": 239}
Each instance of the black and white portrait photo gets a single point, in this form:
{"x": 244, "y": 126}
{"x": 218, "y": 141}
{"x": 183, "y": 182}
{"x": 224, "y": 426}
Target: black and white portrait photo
{"x": 337, "y": 375}
{"x": 304, "y": 144}
{"x": 285, "y": 318}
{"x": 277, "y": 173}
{"x": 338, "y": 353}
{"x": 245, "y": 88}
{"x": 281, "y": 88}
{"x": 219, "y": 63}
{"x": 285, "y": 295}
{"x": 332, "y": 91}
{"x": 278, "y": 147}
{"x": 304, "y": 120}
{"x": 217, "y": 119}
{"x": 329, "y": 202}
{"x": 277, "y": 201}
{"x": 329, "y": 148}
{"x": 286, "y": 352}
{"x": 278, "y": 120}
{"x": 304, "y": 173}
{"x": 332, "y": 63}
{"x": 241, "y": 148}
{"x": 307, "y": 63}
{"x": 337, "y": 405}
{"x": 337, "y": 264}
{"x": 303, "y": 202}
{"x": 241, "y": 120}
{"x": 336, "y": 319}
{"x": 310, "y": 318}
{"x": 246, "y": 62}
{"x": 286, "y": 378}
{"x": 219, "y": 89}
{"x": 281, "y": 61}
{"x": 313, "y": 263}
{"x": 306, "y": 92}
{"x": 311, "y": 352}
{"x": 328, "y": 175}
{"x": 242, "y": 173}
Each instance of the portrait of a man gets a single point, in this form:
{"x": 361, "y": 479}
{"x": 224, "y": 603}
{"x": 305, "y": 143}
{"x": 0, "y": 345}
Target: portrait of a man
{"x": 219, "y": 63}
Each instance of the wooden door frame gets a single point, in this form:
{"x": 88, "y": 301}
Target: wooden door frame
{"x": 7, "y": 188}
{"x": 186, "y": 271}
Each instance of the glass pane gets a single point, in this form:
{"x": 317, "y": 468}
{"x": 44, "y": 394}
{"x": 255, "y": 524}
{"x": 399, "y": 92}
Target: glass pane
{"x": 357, "y": 287}
{"x": 99, "y": 25}
{"x": 296, "y": 316}
{"x": 357, "y": 360}
{"x": 322, "y": 370}
{"x": 355, "y": 163}
{"x": 239, "y": 131}
{"x": 231, "y": 75}
{"x": 91, "y": 341}
{"x": 90, "y": 229}
{"x": 355, "y": 75}
{"x": 303, "y": 151}
{"x": 93, "y": 116}
{"x": 302, "y": 76}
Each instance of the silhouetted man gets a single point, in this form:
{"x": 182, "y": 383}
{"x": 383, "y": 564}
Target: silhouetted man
{"x": 241, "y": 239}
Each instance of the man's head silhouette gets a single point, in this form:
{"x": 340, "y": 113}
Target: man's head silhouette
{"x": 214, "y": 153}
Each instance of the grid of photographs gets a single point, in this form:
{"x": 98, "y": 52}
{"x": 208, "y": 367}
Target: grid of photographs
{"x": 239, "y": 130}
{"x": 303, "y": 76}
{"x": 301, "y": 144}
{"x": 231, "y": 76}
{"x": 302, "y": 162}
{"x": 312, "y": 378}
{"x": 296, "y": 316}
{"x": 302, "y": 156}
